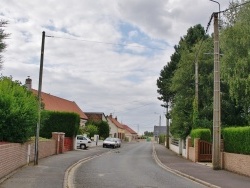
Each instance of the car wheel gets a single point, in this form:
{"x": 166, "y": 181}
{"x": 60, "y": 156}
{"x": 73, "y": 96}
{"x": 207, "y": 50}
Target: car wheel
{"x": 103, "y": 146}
{"x": 83, "y": 146}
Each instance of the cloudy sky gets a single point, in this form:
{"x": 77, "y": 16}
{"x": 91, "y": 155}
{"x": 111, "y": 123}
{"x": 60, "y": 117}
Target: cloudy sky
{"x": 105, "y": 55}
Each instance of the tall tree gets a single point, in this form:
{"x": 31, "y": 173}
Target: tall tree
{"x": 3, "y": 36}
{"x": 235, "y": 63}
{"x": 194, "y": 34}
{"x": 176, "y": 82}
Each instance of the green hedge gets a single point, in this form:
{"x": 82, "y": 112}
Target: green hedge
{"x": 162, "y": 138}
{"x": 59, "y": 122}
{"x": 18, "y": 111}
{"x": 237, "y": 140}
{"x": 203, "y": 134}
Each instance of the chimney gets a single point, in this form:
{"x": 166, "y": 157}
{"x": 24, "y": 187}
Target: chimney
{"x": 110, "y": 115}
{"x": 28, "y": 83}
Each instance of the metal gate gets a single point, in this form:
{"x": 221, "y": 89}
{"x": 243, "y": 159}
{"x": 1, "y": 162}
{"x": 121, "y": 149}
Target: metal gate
{"x": 204, "y": 151}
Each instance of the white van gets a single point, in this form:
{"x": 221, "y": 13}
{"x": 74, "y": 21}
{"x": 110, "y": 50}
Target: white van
{"x": 82, "y": 142}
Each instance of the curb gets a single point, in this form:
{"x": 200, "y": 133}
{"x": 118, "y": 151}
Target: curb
{"x": 178, "y": 173}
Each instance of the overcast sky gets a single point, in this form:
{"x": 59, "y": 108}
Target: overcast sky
{"x": 106, "y": 55}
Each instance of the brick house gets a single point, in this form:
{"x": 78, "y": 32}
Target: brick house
{"x": 130, "y": 134}
{"x": 54, "y": 103}
{"x": 116, "y": 128}
{"x": 96, "y": 116}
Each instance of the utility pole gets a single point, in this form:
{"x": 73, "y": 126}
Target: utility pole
{"x": 196, "y": 81}
{"x": 39, "y": 99}
{"x": 217, "y": 108}
{"x": 167, "y": 127}
{"x": 160, "y": 120}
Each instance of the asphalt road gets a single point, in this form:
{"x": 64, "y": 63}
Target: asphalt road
{"x": 51, "y": 170}
{"x": 131, "y": 166}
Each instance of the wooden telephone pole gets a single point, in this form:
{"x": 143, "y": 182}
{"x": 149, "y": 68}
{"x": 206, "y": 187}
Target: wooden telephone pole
{"x": 39, "y": 98}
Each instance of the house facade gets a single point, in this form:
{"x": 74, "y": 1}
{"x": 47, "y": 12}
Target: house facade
{"x": 130, "y": 134}
{"x": 116, "y": 128}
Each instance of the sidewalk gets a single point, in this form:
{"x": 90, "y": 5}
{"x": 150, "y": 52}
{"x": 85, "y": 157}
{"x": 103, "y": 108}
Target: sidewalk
{"x": 198, "y": 172}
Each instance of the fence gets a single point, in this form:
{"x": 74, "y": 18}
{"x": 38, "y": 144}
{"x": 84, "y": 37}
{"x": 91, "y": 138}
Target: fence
{"x": 229, "y": 161}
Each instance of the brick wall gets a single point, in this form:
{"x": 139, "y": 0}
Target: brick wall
{"x": 15, "y": 155}
{"x": 237, "y": 163}
{"x": 68, "y": 144}
{"x": 12, "y": 156}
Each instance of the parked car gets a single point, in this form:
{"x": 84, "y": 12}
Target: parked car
{"x": 119, "y": 142}
{"x": 83, "y": 142}
{"x": 110, "y": 142}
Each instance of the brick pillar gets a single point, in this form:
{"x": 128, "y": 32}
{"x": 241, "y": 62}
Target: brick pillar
{"x": 55, "y": 135}
{"x": 196, "y": 149}
{"x": 61, "y": 142}
{"x": 188, "y": 144}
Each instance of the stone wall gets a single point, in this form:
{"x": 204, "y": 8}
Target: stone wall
{"x": 237, "y": 163}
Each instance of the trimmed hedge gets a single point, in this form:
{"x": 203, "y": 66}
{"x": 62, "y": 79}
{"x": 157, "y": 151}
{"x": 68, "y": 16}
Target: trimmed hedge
{"x": 52, "y": 121}
{"x": 236, "y": 140}
{"x": 203, "y": 134}
{"x": 162, "y": 138}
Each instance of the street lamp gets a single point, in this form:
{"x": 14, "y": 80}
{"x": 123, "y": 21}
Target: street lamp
{"x": 219, "y": 9}
{"x": 217, "y": 3}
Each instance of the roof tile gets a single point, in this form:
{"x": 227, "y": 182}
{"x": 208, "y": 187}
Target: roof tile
{"x": 54, "y": 103}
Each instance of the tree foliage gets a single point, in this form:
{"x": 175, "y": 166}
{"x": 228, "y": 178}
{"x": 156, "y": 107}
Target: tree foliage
{"x": 235, "y": 63}
{"x": 18, "y": 112}
{"x": 147, "y": 133}
{"x": 182, "y": 83}
{"x": 3, "y": 36}
{"x": 91, "y": 130}
{"x": 102, "y": 127}
{"x": 177, "y": 83}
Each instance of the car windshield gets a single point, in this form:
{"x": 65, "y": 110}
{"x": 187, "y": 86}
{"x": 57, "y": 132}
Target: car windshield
{"x": 109, "y": 139}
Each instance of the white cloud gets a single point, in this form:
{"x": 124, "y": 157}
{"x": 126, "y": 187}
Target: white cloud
{"x": 84, "y": 61}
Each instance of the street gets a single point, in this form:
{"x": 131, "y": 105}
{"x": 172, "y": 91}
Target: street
{"x": 129, "y": 166}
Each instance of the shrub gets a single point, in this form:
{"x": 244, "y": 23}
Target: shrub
{"x": 52, "y": 121}
{"x": 91, "y": 130}
{"x": 102, "y": 126}
{"x": 203, "y": 134}
{"x": 162, "y": 138}
{"x": 18, "y": 112}
{"x": 236, "y": 140}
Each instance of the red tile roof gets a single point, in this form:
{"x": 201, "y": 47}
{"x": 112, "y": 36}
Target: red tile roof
{"x": 114, "y": 121}
{"x": 95, "y": 116}
{"x": 54, "y": 103}
{"x": 129, "y": 129}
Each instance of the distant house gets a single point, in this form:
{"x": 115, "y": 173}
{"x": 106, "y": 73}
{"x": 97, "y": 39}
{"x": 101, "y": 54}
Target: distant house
{"x": 96, "y": 116}
{"x": 54, "y": 103}
{"x": 130, "y": 134}
{"x": 116, "y": 128}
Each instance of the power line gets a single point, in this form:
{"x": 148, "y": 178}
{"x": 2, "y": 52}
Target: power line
{"x": 100, "y": 42}
{"x": 234, "y": 7}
